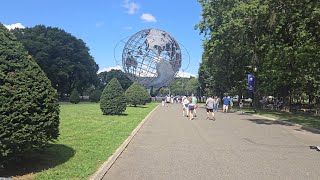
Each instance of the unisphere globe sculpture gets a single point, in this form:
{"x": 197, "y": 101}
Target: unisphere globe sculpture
{"x": 152, "y": 58}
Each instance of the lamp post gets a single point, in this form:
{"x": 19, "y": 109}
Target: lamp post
{"x": 200, "y": 93}
{"x": 254, "y": 90}
{"x": 252, "y": 86}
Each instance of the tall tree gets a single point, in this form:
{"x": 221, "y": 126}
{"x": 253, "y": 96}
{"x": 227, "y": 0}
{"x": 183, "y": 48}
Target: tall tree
{"x": 64, "y": 58}
{"x": 280, "y": 38}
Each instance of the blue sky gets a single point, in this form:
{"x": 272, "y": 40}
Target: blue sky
{"x": 101, "y": 24}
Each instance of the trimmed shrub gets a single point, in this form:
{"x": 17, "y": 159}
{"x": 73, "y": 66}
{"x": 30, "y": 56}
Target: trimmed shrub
{"x": 137, "y": 95}
{"x": 95, "y": 96}
{"x": 113, "y": 101}
{"x": 74, "y": 97}
{"x": 29, "y": 110}
{"x": 146, "y": 98}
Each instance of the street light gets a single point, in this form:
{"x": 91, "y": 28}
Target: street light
{"x": 252, "y": 85}
{"x": 200, "y": 93}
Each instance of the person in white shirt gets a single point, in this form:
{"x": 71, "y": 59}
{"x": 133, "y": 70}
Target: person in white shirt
{"x": 185, "y": 103}
{"x": 210, "y": 106}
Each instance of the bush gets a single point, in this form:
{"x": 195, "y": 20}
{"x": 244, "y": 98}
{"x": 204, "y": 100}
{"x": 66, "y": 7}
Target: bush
{"x": 113, "y": 101}
{"x": 146, "y": 96}
{"x": 29, "y": 110}
{"x": 74, "y": 97}
{"x": 95, "y": 96}
{"x": 137, "y": 95}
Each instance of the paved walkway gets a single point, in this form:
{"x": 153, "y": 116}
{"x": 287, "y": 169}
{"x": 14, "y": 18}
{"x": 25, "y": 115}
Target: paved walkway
{"x": 234, "y": 146}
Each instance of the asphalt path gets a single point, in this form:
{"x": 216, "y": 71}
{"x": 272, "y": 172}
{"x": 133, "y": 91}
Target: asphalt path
{"x": 234, "y": 146}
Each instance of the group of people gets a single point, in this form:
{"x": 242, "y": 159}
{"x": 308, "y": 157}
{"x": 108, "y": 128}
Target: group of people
{"x": 170, "y": 99}
{"x": 189, "y": 105}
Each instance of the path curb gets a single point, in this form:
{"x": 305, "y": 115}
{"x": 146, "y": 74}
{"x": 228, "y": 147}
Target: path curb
{"x": 314, "y": 130}
{"x": 107, "y": 165}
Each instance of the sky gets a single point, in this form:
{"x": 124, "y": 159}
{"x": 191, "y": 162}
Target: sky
{"x": 102, "y": 24}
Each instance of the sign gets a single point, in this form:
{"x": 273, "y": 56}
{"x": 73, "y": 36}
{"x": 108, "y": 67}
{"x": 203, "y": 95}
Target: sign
{"x": 250, "y": 83}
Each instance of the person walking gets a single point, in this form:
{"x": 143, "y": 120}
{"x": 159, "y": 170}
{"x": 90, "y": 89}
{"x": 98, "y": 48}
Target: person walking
{"x": 163, "y": 100}
{"x": 225, "y": 104}
{"x": 191, "y": 109}
{"x": 218, "y": 103}
{"x": 185, "y": 103}
{"x": 241, "y": 105}
{"x": 194, "y": 101}
{"x": 215, "y": 103}
{"x": 231, "y": 103}
{"x": 168, "y": 100}
{"x": 210, "y": 106}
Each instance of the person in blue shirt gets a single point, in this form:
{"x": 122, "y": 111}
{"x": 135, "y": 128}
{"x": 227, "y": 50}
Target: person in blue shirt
{"x": 226, "y": 101}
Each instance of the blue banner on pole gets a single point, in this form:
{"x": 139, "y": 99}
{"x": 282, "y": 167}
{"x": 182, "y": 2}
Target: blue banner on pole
{"x": 250, "y": 83}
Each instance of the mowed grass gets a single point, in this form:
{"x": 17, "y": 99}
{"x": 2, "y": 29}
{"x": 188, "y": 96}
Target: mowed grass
{"x": 87, "y": 138}
{"x": 307, "y": 120}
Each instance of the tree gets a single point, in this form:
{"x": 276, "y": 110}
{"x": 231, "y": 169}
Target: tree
{"x": 192, "y": 85}
{"x": 64, "y": 58}
{"x": 113, "y": 100}
{"x": 106, "y": 76}
{"x": 95, "y": 96}
{"x": 279, "y": 38}
{"x": 137, "y": 95}
{"x": 74, "y": 97}
{"x": 184, "y": 86}
{"x": 29, "y": 110}
{"x": 146, "y": 98}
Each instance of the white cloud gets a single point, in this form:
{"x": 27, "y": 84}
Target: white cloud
{"x": 13, "y": 26}
{"x": 109, "y": 68}
{"x": 148, "y": 17}
{"x": 185, "y": 74}
{"x": 128, "y": 28}
{"x": 99, "y": 24}
{"x": 131, "y": 7}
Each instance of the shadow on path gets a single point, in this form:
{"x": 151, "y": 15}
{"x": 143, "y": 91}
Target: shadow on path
{"x": 269, "y": 122}
{"x": 34, "y": 162}
{"x": 282, "y": 122}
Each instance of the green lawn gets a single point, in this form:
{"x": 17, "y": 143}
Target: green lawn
{"x": 87, "y": 138}
{"x": 307, "y": 120}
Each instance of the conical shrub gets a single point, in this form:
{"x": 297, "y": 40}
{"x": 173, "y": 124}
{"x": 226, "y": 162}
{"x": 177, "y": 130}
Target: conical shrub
{"x": 137, "y": 95}
{"x": 29, "y": 110}
{"x": 113, "y": 101}
{"x": 74, "y": 97}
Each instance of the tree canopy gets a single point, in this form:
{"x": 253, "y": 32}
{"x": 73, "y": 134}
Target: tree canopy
{"x": 278, "y": 38}
{"x": 184, "y": 86}
{"x": 64, "y": 58}
{"x": 106, "y": 76}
